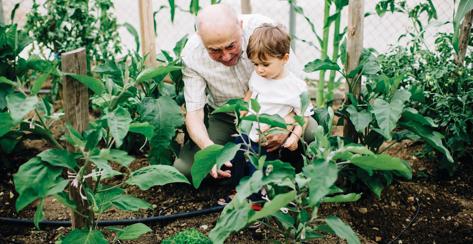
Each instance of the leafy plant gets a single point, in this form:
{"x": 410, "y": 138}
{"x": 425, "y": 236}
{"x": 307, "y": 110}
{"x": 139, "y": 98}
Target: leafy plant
{"x": 189, "y": 236}
{"x": 61, "y": 26}
{"x": 293, "y": 199}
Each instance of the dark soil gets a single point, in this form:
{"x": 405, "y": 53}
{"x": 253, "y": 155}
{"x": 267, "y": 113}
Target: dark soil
{"x": 432, "y": 208}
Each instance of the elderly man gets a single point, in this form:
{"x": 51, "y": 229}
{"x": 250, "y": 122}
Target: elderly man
{"x": 216, "y": 69}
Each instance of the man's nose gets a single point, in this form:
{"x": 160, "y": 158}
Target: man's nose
{"x": 226, "y": 56}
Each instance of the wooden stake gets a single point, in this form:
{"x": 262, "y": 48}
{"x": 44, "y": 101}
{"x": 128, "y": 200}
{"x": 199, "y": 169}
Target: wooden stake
{"x": 245, "y": 6}
{"x": 354, "y": 49}
{"x": 465, "y": 31}
{"x": 76, "y": 112}
{"x": 148, "y": 39}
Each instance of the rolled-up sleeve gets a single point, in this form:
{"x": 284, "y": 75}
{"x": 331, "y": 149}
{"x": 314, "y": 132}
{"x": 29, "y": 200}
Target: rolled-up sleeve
{"x": 194, "y": 89}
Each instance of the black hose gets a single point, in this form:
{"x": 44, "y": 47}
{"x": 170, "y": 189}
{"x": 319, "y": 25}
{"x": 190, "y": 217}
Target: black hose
{"x": 147, "y": 220}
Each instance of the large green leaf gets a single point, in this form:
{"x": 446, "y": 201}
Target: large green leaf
{"x": 144, "y": 129}
{"x": 383, "y": 162}
{"x": 151, "y": 73}
{"x": 351, "y": 197}
{"x": 5, "y": 80}
{"x": 155, "y": 175}
{"x": 105, "y": 197}
{"x": 233, "y": 218}
{"x": 272, "y": 120}
{"x": 433, "y": 138}
{"x": 118, "y": 156}
{"x": 387, "y": 115}
{"x": 39, "y": 214}
{"x": 6, "y": 123}
{"x": 272, "y": 207}
{"x": 342, "y": 230}
{"x": 36, "y": 179}
{"x": 212, "y": 155}
{"x": 231, "y": 106}
{"x": 19, "y": 105}
{"x": 39, "y": 82}
{"x": 59, "y": 157}
{"x": 119, "y": 122}
{"x": 130, "y": 203}
{"x": 165, "y": 115}
{"x": 322, "y": 176}
{"x": 131, "y": 232}
{"x": 319, "y": 64}
{"x": 360, "y": 120}
{"x": 78, "y": 236}
{"x": 411, "y": 114}
{"x": 93, "y": 84}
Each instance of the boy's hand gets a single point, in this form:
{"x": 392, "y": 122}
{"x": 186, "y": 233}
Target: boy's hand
{"x": 291, "y": 142}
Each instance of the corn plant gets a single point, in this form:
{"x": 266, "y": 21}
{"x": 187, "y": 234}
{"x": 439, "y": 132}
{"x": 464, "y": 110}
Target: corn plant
{"x": 293, "y": 199}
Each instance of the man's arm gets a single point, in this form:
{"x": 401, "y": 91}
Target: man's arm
{"x": 198, "y": 132}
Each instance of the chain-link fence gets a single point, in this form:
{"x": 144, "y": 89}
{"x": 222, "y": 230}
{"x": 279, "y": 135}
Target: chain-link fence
{"x": 379, "y": 32}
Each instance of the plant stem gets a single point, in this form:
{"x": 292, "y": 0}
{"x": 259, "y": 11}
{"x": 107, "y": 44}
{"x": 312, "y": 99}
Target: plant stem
{"x": 336, "y": 47}
{"x": 323, "y": 55}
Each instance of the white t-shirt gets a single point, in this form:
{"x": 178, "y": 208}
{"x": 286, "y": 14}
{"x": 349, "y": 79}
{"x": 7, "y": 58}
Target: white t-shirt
{"x": 277, "y": 97}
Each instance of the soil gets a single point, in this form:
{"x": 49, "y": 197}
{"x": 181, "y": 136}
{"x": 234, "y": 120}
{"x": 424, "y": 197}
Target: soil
{"x": 431, "y": 208}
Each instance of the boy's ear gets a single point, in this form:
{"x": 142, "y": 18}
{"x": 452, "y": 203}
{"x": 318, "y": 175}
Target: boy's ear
{"x": 286, "y": 57}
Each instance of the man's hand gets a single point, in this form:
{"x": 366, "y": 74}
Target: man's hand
{"x": 274, "y": 141}
{"x": 218, "y": 173}
{"x": 292, "y": 142}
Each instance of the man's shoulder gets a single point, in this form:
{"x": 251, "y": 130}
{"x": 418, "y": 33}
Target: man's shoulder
{"x": 193, "y": 48}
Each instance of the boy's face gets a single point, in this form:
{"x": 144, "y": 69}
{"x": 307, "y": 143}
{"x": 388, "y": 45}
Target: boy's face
{"x": 271, "y": 67}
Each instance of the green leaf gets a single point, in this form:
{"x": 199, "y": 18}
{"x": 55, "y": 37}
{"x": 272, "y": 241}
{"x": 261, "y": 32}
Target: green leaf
{"x": 270, "y": 208}
{"x": 74, "y": 137}
{"x": 6, "y": 123}
{"x": 172, "y": 7}
{"x": 165, "y": 116}
{"x": 143, "y": 128}
{"x": 155, "y": 175}
{"x": 20, "y": 105}
{"x": 387, "y": 115}
{"x": 39, "y": 82}
{"x": 319, "y": 64}
{"x": 130, "y": 203}
{"x": 134, "y": 33}
{"x": 433, "y": 138}
{"x": 118, "y": 156}
{"x": 322, "y": 176}
{"x": 36, "y": 179}
{"x": 351, "y": 197}
{"x": 342, "y": 230}
{"x": 233, "y": 105}
{"x": 5, "y": 80}
{"x": 212, "y": 155}
{"x": 119, "y": 122}
{"x": 234, "y": 217}
{"x": 360, "y": 120}
{"x": 151, "y": 73}
{"x": 272, "y": 120}
{"x": 411, "y": 114}
{"x": 383, "y": 162}
{"x": 39, "y": 214}
{"x": 60, "y": 158}
{"x": 63, "y": 198}
{"x": 255, "y": 105}
{"x": 105, "y": 197}
{"x": 93, "y": 84}
{"x": 78, "y": 236}
{"x": 131, "y": 232}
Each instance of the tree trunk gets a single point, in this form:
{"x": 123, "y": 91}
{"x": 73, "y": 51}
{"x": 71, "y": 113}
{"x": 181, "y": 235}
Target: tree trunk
{"x": 465, "y": 31}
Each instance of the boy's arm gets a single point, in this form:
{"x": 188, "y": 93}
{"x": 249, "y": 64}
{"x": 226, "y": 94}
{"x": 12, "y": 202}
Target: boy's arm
{"x": 293, "y": 139}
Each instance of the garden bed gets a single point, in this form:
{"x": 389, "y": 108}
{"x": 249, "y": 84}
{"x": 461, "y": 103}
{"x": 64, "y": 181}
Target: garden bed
{"x": 432, "y": 208}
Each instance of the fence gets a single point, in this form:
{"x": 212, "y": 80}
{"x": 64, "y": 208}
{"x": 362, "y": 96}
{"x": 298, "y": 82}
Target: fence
{"x": 379, "y": 32}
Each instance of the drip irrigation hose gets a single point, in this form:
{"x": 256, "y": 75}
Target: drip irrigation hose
{"x": 147, "y": 220}
{"x": 413, "y": 218}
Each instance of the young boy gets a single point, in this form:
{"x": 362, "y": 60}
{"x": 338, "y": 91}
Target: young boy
{"x": 278, "y": 91}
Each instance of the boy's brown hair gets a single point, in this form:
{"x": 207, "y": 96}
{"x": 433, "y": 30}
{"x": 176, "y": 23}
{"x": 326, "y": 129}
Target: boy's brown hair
{"x": 268, "y": 40}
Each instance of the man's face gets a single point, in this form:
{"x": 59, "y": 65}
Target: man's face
{"x": 225, "y": 46}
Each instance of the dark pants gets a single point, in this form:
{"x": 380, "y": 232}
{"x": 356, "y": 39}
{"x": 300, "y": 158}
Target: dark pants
{"x": 243, "y": 167}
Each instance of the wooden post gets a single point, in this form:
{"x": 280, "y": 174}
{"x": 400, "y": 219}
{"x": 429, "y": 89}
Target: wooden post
{"x": 465, "y": 31}
{"x": 2, "y": 19}
{"x": 148, "y": 39}
{"x": 76, "y": 112}
{"x": 354, "y": 49}
{"x": 245, "y": 6}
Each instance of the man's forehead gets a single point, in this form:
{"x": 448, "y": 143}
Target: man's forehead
{"x": 219, "y": 40}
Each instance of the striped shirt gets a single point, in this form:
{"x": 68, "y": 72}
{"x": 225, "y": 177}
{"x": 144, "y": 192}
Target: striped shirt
{"x": 208, "y": 81}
